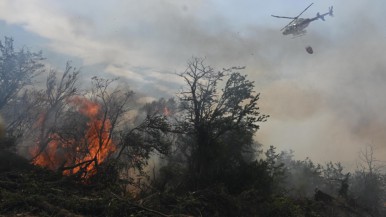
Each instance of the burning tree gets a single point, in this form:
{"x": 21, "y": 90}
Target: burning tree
{"x": 76, "y": 132}
{"x": 52, "y": 106}
{"x": 64, "y": 128}
{"x": 81, "y": 143}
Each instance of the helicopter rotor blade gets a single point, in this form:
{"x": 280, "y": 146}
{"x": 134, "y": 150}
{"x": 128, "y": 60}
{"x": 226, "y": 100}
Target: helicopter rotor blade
{"x": 294, "y": 18}
{"x": 284, "y": 17}
{"x": 304, "y": 10}
{"x": 288, "y": 24}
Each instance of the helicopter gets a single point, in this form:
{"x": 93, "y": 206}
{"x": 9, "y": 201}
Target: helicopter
{"x": 297, "y": 26}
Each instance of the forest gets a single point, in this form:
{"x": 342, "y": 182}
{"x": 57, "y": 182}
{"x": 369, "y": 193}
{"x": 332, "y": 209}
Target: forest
{"x": 77, "y": 146}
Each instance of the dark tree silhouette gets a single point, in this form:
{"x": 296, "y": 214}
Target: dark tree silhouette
{"x": 212, "y": 117}
{"x": 17, "y": 69}
{"x": 368, "y": 182}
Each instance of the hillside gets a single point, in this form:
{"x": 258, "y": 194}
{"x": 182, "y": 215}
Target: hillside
{"x": 27, "y": 190}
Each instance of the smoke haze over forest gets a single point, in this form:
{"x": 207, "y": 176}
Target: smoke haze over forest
{"x": 326, "y": 106}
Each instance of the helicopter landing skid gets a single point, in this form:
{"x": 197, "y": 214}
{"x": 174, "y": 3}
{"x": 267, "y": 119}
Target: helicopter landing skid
{"x": 301, "y": 33}
{"x": 297, "y": 36}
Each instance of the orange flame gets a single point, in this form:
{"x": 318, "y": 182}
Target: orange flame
{"x": 86, "y": 107}
{"x": 84, "y": 155}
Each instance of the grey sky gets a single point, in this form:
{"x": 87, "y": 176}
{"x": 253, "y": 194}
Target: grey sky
{"x": 325, "y": 106}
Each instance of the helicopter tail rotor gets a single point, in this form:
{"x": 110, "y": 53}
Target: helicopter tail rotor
{"x": 330, "y": 11}
{"x": 321, "y": 16}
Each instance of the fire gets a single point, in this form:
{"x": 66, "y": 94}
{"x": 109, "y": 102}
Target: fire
{"x": 82, "y": 155}
{"x": 86, "y": 107}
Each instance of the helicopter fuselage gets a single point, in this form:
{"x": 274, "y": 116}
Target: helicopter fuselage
{"x": 298, "y": 26}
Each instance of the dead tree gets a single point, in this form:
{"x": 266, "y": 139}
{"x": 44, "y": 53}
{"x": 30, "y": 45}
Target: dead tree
{"x": 54, "y": 100}
{"x": 17, "y": 70}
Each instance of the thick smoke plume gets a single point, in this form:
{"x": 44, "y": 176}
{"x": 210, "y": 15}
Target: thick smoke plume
{"x": 326, "y": 105}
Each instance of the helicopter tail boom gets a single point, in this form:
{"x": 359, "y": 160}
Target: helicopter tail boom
{"x": 320, "y": 17}
{"x": 330, "y": 12}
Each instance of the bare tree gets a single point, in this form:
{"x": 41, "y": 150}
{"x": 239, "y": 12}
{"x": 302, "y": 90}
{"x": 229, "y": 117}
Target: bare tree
{"x": 368, "y": 183}
{"x": 53, "y": 104}
{"x": 17, "y": 70}
{"x": 367, "y": 161}
{"x": 33, "y": 115}
{"x": 210, "y": 116}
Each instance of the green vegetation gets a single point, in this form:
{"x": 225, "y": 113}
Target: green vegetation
{"x": 93, "y": 152}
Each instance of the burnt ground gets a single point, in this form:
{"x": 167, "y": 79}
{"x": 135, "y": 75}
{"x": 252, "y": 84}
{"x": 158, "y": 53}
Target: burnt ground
{"x": 26, "y": 190}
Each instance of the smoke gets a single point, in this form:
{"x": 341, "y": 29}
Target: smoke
{"x": 328, "y": 105}
{"x": 325, "y": 106}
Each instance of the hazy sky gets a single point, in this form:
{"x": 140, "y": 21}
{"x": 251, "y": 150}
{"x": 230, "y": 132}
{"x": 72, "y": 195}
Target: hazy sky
{"x": 326, "y": 105}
